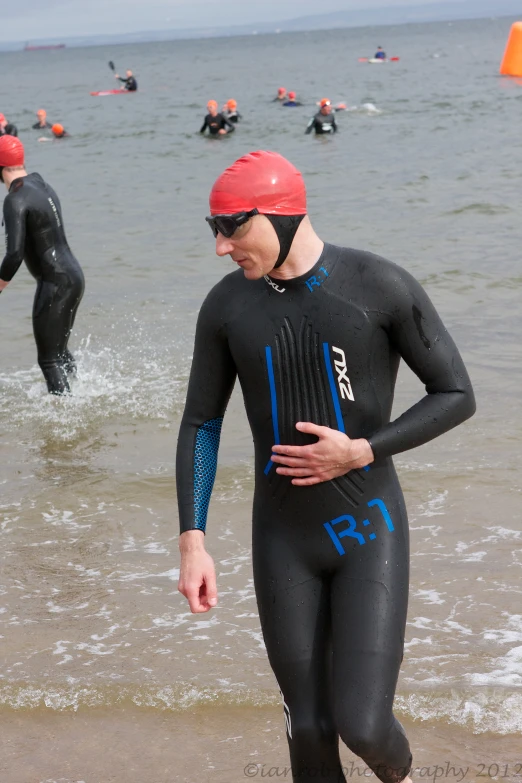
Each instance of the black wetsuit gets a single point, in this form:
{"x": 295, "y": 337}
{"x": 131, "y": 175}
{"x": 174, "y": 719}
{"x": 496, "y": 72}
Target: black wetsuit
{"x": 322, "y": 123}
{"x": 215, "y": 124}
{"x": 9, "y": 130}
{"x": 232, "y": 116}
{"x": 331, "y": 560}
{"x": 37, "y": 126}
{"x": 131, "y": 85}
{"x": 35, "y": 232}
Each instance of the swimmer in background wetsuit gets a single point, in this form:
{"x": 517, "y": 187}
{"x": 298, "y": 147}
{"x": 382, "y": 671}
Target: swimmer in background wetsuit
{"x": 292, "y": 100}
{"x": 7, "y": 128}
{"x": 315, "y": 333}
{"x": 35, "y": 233}
{"x": 42, "y": 123}
{"x": 130, "y": 83}
{"x": 230, "y": 111}
{"x": 281, "y": 95}
{"x": 215, "y": 122}
{"x": 379, "y": 54}
{"x": 324, "y": 120}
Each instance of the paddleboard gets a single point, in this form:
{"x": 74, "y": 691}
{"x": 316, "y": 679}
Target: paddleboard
{"x": 113, "y": 92}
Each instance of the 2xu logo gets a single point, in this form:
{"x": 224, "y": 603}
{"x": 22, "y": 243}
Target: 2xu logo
{"x": 345, "y": 387}
{"x": 351, "y": 531}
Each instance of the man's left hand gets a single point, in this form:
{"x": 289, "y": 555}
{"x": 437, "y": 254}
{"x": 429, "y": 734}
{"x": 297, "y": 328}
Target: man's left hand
{"x": 333, "y": 455}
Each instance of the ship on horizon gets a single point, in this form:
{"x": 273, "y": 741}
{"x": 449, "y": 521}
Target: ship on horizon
{"x": 37, "y": 47}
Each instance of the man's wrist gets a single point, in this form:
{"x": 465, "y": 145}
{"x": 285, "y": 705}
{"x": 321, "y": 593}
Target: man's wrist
{"x": 192, "y": 541}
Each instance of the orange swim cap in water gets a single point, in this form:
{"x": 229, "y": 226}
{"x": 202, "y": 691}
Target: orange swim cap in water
{"x": 212, "y": 104}
{"x": 58, "y": 129}
{"x": 231, "y": 104}
{"x": 41, "y": 113}
{"x": 11, "y": 151}
{"x": 2, "y": 117}
{"x": 325, "y": 102}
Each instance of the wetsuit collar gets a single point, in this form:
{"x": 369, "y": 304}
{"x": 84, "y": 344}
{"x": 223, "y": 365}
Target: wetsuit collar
{"x": 311, "y": 280}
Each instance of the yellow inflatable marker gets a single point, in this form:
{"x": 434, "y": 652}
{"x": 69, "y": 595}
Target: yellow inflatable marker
{"x": 512, "y": 61}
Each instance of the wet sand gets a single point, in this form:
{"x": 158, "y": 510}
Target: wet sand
{"x": 130, "y": 745}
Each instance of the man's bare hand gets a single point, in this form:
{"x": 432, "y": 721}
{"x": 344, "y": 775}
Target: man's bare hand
{"x": 333, "y": 455}
{"x": 197, "y": 577}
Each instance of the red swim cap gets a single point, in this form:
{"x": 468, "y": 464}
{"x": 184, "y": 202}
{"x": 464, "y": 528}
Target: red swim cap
{"x": 11, "y": 151}
{"x": 57, "y": 129}
{"x": 291, "y": 95}
{"x": 260, "y": 180}
{"x": 281, "y": 90}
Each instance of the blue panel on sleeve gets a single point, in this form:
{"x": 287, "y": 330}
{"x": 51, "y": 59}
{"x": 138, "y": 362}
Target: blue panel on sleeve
{"x": 205, "y": 464}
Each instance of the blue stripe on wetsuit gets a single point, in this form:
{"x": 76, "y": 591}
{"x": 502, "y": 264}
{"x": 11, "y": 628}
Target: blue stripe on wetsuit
{"x": 205, "y": 464}
{"x": 273, "y": 399}
{"x": 333, "y": 388}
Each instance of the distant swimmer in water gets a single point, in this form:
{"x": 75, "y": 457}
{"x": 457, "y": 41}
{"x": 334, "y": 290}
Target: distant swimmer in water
{"x": 42, "y": 120}
{"x": 7, "y": 128}
{"x": 292, "y": 100}
{"x": 215, "y": 122}
{"x": 324, "y": 120}
{"x": 35, "y": 233}
{"x": 58, "y": 132}
{"x": 129, "y": 82}
{"x": 230, "y": 111}
{"x": 379, "y": 54}
{"x": 281, "y": 95}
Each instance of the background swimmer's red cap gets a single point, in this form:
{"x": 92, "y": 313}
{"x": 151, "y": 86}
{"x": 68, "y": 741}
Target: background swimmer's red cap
{"x": 291, "y": 95}
{"x": 260, "y": 180}
{"x": 11, "y": 151}
{"x": 212, "y": 103}
{"x": 41, "y": 113}
{"x": 57, "y": 129}
{"x": 2, "y": 117}
{"x": 281, "y": 90}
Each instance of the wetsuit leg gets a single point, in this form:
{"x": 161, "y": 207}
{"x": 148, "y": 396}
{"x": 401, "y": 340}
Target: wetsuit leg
{"x": 294, "y": 609}
{"x": 369, "y": 605}
{"x": 54, "y": 310}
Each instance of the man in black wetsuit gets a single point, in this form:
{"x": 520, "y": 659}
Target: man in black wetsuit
{"x": 7, "y": 128}
{"x": 315, "y": 334}
{"x": 217, "y": 124}
{"x": 324, "y": 120}
{"x": 35, "y": 232}
{"x": 42, "y": 123}
{"x": 130, "y": 83}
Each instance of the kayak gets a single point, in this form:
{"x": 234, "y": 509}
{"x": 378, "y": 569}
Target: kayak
{"x": 374, "y": 60}
{"x": 113, "y": 92}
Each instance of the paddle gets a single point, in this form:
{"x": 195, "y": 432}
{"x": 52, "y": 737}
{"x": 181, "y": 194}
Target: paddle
{"x": 112, "y": 66}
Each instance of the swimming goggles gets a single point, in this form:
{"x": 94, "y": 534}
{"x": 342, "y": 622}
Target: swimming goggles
{"x": 228, "y": 224}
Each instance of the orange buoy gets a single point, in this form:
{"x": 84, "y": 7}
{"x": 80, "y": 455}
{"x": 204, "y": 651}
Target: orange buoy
{"x": 512, "y": 61}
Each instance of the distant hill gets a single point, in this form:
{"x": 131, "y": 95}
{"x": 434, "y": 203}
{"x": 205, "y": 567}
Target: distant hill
{"x": 388, "y": 15}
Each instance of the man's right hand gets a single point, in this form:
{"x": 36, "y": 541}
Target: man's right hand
{"x": 197, "y": 577}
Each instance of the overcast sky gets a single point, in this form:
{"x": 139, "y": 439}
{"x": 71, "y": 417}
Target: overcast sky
{"x": 28, "y": 19}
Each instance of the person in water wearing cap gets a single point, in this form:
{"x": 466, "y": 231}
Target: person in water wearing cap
{"x": 42, "y": 120}
{"x": 35, "y": 233}
{"x": 230, "y": 111}
{"x": 324, "y": 120}
{"x": 316, "y": 333}
{"x": 59, "y": 131}
{"x": 292, "y": 100}
{"x": 129, "y": 82}
{"x": 7, "y": 128}
{"x": 217, "y": 124}
{"x": 379, "y": 54}
{"x": 281, "y": 95}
